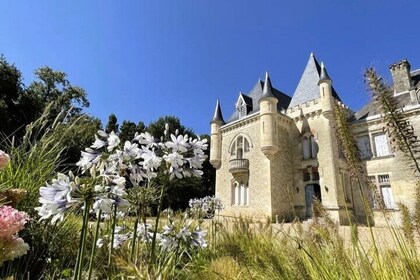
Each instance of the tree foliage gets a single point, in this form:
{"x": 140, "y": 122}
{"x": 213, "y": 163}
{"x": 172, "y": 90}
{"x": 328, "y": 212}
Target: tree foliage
{"x": 129, "y": 128}
{"x": 112, "y": 124}
{"x": 157, "y": 127}
{"x": 20, "y": 105}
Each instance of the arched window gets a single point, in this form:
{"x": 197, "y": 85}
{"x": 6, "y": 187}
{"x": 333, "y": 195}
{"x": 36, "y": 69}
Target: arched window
{"x": 239, "y": 146}
{"x": 309, "y": 147}
{"x": 306, "y": 148}
{"x": 240, "y": 193}
{"x": 314, "y": 150}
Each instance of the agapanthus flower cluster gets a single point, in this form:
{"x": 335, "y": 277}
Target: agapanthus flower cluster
{"x": 185, "y": 235}
{"x": 112, "y": 165}
{"x": 11, "y": 222}
{"x": 174, "y": 234}
{"x": 205, "y": 207}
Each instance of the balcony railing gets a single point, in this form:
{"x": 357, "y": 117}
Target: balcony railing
{"x": 237, "y": 166}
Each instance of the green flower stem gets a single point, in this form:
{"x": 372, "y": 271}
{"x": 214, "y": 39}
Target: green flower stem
{"x": 111, "y": 248}
{"x": 153, "y": 248}
{"x": 133, "y": 245}
{"x": 81, "y": 240}
{"x": 92, "y": 254}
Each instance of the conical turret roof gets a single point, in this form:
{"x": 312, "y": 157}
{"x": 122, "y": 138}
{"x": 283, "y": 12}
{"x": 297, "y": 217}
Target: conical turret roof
{"x": 218, "y": 117}
{"x": 324, "y": 74}
{"x": 268, "y": 88}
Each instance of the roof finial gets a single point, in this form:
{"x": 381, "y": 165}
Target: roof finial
{"x": 312, "y": 54}
{"x": 268, "y": 88}
{"x": 217, "y": 117}
{"x": 323, "y": 77}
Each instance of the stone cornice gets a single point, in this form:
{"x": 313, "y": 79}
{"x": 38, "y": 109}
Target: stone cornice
{"x": 409, "y": 111}
{"x": 240, "y": 123}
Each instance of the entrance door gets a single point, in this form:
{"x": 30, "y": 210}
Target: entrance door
{"x": 312, "y": 192}
{"x": 309, "y": 198}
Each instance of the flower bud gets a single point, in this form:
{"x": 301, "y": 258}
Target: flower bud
{"x": 4, "y": 159}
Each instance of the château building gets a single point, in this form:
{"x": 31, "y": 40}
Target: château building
{"x": 276, "y": 154}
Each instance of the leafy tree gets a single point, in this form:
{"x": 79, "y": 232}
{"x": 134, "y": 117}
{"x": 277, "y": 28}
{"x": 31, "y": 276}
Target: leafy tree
{"x": 20, "y": 106}
{"x": 112, "y": 124}
{"x": 157, "y": 127}
{"x": 129, "y": 128}
{"x": 11, "y": 91}
{"x": 53, "y": 87}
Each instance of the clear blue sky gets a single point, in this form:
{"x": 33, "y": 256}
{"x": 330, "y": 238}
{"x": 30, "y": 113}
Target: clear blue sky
{"x": 145, "y": 59}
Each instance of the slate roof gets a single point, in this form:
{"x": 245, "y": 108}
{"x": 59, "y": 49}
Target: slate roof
{"x": 307, "y": 88}
{"x": 218, "y": 117}
{"x": 372, "y": 108}
{"x": 255, "y": 94}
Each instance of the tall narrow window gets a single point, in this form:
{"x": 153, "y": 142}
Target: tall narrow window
{"x": 244, "y": 194}
{"x": 384, "y": 189}
{"x": 240, "y": 193}
{"x": 363, "y": 143}
{"x": 236, "y": 192}
{"x": 305, "y": 147}
{"x": 313, "y": 147}
{"x": 381, "y": 145}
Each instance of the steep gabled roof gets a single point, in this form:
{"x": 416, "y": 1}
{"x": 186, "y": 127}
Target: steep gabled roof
{"x": 255, "y": 95}
{"x": 308, "y": 88}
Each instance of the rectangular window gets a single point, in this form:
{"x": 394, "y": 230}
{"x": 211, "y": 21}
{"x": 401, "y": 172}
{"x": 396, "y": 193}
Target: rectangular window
{"x": 383, "y": 188}
{"x": 363, "y": 143}
{"x": 381, "y": 145}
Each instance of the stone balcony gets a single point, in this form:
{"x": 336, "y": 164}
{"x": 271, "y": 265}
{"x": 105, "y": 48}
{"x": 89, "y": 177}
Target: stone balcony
{"x": 239, "y": 169}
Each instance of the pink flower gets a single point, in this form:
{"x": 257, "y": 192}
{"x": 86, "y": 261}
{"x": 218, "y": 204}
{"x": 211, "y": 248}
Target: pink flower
{"x": 11, "y": 221}
{"x": 4, "y": 159}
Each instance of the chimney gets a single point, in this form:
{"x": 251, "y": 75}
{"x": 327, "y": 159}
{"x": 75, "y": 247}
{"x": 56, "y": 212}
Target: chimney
{"x": 401, "y": 76}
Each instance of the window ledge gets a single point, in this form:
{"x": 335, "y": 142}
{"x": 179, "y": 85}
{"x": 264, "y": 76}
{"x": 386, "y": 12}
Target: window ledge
{"x": 376, "y": 210}
{"x": 378, "y": 158}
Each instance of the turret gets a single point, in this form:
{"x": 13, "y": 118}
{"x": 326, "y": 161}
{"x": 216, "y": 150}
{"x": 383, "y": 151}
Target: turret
{"x": 325, "y": 90}
{"x": 216, "y": 137}
{"x": 268, "y": 114}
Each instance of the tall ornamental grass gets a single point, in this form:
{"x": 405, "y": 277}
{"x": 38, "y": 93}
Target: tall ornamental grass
{"x": 34, "y": 160}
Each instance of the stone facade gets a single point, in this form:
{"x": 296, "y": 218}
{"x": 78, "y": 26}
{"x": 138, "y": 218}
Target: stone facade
{"x": 276, "y": 154}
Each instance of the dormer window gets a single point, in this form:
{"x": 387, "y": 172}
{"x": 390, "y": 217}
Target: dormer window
{"x": 243, "y": 106}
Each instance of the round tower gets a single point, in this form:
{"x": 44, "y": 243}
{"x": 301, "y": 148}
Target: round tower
{"x": 325, "y": 91}
{"x": 268, "y": 114}
{"x": 216, "y": 137}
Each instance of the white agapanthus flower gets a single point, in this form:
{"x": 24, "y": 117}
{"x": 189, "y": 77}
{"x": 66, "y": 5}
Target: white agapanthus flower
{"x": 178, "y": 144}
{"x": 98, "y": 143}
{"x": 150, "y": 160}
{"x": 145, "y": 139}
{"x": 55, "y": 198}
{"x": 174, "y": 159}
{"x": 113, "y": 141}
